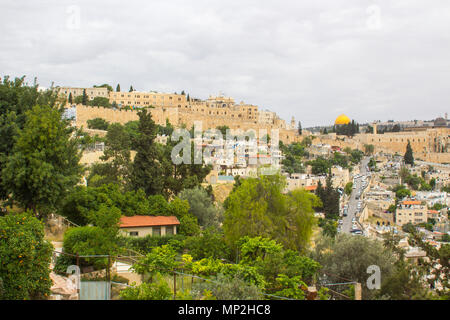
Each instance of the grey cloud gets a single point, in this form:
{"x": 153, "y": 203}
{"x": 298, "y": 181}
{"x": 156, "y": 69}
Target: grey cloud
{"x": 308, "y": 59}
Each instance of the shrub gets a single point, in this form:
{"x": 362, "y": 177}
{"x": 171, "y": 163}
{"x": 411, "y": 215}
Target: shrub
{"x": 147, "y": 243}
{"x": 159, "y": 290}
{"x": 24, "y": 258}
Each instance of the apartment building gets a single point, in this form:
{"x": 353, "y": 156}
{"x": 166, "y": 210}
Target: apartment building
{"x": 90, "y": 92}
{"x": 411, "y": 211}
{"x": 303, "y": 180}
{"x": 146, "y": 99}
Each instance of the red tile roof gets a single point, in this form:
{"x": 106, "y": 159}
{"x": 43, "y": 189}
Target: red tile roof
{"x": 411, "y": 202}
{"x": 148, "y": 221}
{"x": 311, "y": 188}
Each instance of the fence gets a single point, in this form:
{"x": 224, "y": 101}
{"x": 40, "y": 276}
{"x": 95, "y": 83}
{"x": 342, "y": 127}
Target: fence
{"x": 179, "y": 280}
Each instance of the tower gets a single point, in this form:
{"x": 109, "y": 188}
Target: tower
{"x": 293, "y": 122}
{"x": 374, "y": 128}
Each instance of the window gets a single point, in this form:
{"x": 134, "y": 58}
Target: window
{"x": 134, "y": 233}
{"x": 169, "y": 230}
{"x": 156, "y": 231}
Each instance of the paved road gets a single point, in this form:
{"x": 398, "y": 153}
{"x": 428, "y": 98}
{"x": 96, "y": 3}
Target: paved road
{"x": 353, "y": 202}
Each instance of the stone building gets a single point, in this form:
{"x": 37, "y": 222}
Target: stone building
{"x": 90, "y": 92}
{"x": 410, "y": 211}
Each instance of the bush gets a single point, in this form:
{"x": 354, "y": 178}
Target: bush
{"x": 227, "y": 288}
{"x": 145, "y": 244}
{"x": 159, "y": 290}
{"x": 210, "y": 244}
{"x": 98, "y": 123}
{"x": 62, "y": 263}
{"x": 24, "y": 258}
{"x": 90, "y": 240}
{"x": 189, "y": 225}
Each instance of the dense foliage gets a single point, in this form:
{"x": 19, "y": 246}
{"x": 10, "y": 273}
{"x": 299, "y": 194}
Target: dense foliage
{"x": 25, "y": 258}
{"x": 258, "y": 207}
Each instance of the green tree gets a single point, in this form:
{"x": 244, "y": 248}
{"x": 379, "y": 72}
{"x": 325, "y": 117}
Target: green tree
{"x": 307, "y": 141}
{"x": 77, "y": 205}
{"x": 299, "y": 128}
{"x": 70, "y": 98}
{"x": 433, "y": 183}
{"x": 372, "y": 164}
{"x": 99, "y": 102}
{"x": 401, "y": 191}
{"x": 99, "y": 238}
{"x": 159, "y": 290}
{"x": 147, "y": 171}
{"x": 16, "y": 98}
{"x": 223, "y": 287}
{"x": 329, "y": 197}
{"x": 116, "y": 157}
{"x": 189, "y": 225}
{"x": 223, "y": 130}
{"x": 369, "y": 149}
{"x": 329, "y": 227}
{"x": 258, "y": 207}
{"x": 118, "y": 88}
{"x": 293, "y": 288}
{"x": 159, "y": 260}
{"x": 414, "y": 181}
{"x": 320, "y": 166}
{"x": 105, "y": 85}
{"x": 408, "y": 157}
{"x": 348, "y": 188}
{"x": 201, "y": 206}
{"x": 25, "y": 258}
{"x": 348, "y": 257}
{"x": 44, "y": 165}
{"x": 210, "y": 243}
{"x": 98, "y": 123}
{"x": 356, "y": 156}
{"x": 84, "y": 99}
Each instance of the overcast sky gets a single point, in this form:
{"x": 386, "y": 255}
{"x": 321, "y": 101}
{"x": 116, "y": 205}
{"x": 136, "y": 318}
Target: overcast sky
{"x": 372, "y": 60}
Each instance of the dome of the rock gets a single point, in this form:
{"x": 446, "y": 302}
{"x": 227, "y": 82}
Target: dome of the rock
{"x": 342, "y": 119}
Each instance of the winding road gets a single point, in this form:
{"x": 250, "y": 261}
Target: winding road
{"x": 353, "y": 202}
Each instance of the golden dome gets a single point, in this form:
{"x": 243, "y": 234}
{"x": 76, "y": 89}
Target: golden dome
{"x": 342, "y": 119}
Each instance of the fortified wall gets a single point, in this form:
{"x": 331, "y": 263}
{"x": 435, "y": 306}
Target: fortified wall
{"x": 432, "y": 145}
{"x": 178, "y": 117}
{"x": 159, "y": 115}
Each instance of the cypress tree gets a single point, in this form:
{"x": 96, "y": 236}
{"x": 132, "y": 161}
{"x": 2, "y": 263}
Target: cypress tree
{"x": 147, "y": 171}
{"x": 70, "y": 98}
{"x": 118, "y": 88}
{"x": 409, "y": 158}
{"x": 84, "y": 100}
